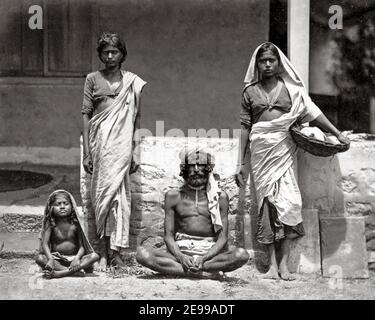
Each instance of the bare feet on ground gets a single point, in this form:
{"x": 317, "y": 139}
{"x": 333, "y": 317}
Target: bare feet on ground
{"x": 117, "y": 261}
{"x": 101, "y": 265}
{"x": 285, "y": 274}
{"x": 271, "y": 274}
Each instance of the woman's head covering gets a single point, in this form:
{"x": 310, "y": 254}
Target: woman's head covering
{"x": 287, "y": 71}
{"x": 292, "y": 81}
{"x": 75, "y": 217}
{"x": 48, "y": 218}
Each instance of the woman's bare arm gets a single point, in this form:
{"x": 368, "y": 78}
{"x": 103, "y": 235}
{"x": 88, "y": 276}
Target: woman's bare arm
{"x": 87, "y": 162}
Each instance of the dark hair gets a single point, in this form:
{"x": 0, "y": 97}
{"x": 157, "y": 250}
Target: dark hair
{"x": 48, "y": 214}
{"x": 268, "y": 46}
{"x": 111, "y": 39}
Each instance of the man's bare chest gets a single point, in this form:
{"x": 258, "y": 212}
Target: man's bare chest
{"x": 193, "y": 206}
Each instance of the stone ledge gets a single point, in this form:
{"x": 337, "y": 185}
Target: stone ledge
{"x": 21, "y": 210}
{"x": 18, "y": 254}
{"x": 19, "y": 243}
{"x": 22, "y": 218}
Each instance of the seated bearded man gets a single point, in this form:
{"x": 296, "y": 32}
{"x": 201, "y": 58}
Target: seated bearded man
{"x": 195, "y": 226}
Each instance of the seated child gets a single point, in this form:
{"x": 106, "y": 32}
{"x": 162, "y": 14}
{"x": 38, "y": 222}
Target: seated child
{"x": 64, "y": 248}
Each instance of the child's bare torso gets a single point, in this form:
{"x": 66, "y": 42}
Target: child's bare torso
{"x": 64, "y": 238}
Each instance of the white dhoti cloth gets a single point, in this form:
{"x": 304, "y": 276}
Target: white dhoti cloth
{"x": 194, "y": 245}
{"x": 110, "y": 144}
{"x": 273, "y": 160}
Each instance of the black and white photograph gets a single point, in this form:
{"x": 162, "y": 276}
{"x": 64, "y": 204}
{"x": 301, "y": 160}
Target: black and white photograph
{"x": 199, "y": 152}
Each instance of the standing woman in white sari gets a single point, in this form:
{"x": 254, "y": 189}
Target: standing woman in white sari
{"x": 274, "y": 98}
{"x": 111, "y": 110}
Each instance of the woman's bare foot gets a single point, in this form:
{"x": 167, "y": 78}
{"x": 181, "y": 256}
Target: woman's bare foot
{"x": 117, "y": 261}
{"x": 285, "y": 274}
{"x": 271, "y": 274}
{"x": 101, "y": 265}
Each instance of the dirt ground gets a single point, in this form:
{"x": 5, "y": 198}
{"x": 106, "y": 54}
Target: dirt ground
{"x": 20, "y": 279}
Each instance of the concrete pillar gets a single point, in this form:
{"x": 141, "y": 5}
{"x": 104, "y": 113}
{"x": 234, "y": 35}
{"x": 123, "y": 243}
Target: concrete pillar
{"x": 299, "y": 43}
{"x": 299, "y": 36}
{"x": 305, "y": 252}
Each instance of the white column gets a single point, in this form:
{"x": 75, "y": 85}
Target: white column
{"x": 298, "y": 52}
{"x": 299, "y": 37}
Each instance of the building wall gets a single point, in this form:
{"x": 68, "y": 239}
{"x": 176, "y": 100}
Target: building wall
{"x": 193, "y": 54}
{"x": 40, "y": 112}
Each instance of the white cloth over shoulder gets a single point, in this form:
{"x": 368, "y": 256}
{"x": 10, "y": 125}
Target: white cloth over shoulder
{"x": 293, "y": 83}
{"x": 110, "y": 143}
{"x": 213, "y": 193}
{"x": 273, "y": 151}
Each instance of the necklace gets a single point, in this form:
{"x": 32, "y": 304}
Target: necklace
{"x": 197, "y": 189}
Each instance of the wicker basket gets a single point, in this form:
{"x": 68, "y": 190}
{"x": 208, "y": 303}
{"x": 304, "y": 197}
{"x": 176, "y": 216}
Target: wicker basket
{"x": 315, "y": 146}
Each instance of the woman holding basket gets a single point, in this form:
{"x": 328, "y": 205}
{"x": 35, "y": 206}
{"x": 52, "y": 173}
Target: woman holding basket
{"x": 274, "y": 98}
